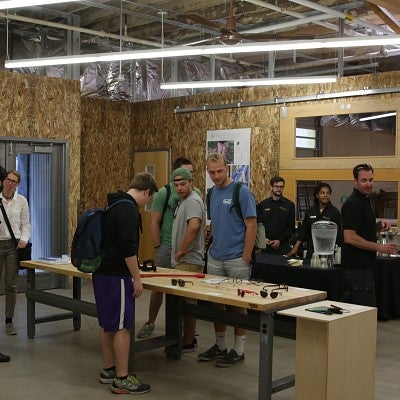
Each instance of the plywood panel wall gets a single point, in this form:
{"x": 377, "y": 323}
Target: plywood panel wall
{"x": 107, "y": 150}
{"x": 153, "y": 125}
{"x": 47, "y": 108}
{"x": 111, "y": 131}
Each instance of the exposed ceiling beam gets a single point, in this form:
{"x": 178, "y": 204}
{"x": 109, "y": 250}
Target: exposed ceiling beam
{"x": 387, "y": 17}
{"x": 292, "y": 14}
{"x": 77, "y": 29}
{"x": 390, "y": 5}
{"x": 288, "y": 24}
{"x": 339, "y": 14}
{"x": 106, "y": 35}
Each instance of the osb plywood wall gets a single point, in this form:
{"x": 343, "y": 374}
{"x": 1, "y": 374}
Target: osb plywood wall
{"x": 49, "y": 108}
{"x": 109, "y": 139}
{"x": 154, "y": 124}
{"x": 111, "y": 131}
{"x": 107, "y": 150}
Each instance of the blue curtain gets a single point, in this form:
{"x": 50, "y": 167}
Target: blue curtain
{"x": 35, "y": 185}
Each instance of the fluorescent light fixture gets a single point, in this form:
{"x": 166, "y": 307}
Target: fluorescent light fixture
{"x": 6, "y": 4}
{"x": 248, "y": 82}
{"x": 391, "y": 114}
{"x": 188, "y": 51}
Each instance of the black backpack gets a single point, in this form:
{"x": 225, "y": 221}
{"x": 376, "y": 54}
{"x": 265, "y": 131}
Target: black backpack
{"x": 86, "y": 253}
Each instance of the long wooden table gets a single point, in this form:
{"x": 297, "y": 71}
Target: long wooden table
{"x": 226, "y": 293}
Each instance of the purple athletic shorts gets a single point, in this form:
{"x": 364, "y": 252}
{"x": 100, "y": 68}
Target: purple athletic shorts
{"x": 114, "y": 302}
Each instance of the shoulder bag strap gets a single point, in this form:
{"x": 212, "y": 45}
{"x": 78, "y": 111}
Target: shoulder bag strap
{"x": 7, "y": 221}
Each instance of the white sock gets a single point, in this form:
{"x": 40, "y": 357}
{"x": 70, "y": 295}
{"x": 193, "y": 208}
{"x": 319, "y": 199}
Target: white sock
{"x": 239, "y": 344}
{"x": 220, "y": 340}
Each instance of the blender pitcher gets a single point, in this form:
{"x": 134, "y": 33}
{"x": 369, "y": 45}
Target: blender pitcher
{"x": 324, "y": 239}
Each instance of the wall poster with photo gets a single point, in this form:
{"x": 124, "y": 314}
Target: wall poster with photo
{"x": 234, "y": 144}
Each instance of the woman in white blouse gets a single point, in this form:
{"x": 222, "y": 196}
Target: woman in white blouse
{"x": 16, "y": 207}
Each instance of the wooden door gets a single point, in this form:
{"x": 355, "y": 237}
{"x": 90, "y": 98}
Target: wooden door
{"x": 156, "y": 162}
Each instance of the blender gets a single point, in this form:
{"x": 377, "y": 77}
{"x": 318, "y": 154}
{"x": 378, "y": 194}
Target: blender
{"x": 324, "y": 239}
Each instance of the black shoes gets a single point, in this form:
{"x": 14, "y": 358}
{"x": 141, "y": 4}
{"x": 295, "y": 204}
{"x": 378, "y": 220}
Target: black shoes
{"x": 4, "y": 358}
{"x": 191, "y": 347}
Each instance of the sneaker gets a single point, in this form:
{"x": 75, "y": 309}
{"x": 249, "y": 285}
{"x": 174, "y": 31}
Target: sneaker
{"x": 129, "y": 385}
{"x": 10, "y": 329}
{"x": 108, "y": 375}
{"x": 231, "y": 359}
{"x": 146, "y": 331}
{"x": 4, "y": 358}
{"x": 189, "y": 348}
{"x": 213, "y": 353}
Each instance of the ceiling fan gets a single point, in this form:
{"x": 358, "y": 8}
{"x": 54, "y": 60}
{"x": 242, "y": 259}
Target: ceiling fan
{"x": 228, "y": 33}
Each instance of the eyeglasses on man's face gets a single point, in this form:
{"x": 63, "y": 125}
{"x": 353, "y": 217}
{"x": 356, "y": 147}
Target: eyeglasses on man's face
{"x": 180, "y": 282}
{"x": 11, "y": 181}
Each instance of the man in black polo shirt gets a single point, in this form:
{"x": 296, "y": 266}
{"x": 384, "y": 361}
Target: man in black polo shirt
{"x": 277, "y": 215}
{"x": 359, "y": 239}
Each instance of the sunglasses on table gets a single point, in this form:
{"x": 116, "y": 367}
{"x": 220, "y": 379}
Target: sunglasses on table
{"x": 274, "y": 292}
{"x": 180, "y": 282}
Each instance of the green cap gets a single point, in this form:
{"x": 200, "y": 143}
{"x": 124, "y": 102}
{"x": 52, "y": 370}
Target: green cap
{"x": 182, "y": 174}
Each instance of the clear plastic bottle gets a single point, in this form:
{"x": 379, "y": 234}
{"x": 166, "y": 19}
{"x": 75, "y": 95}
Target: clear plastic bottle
{"x": 314, "y": 263}
{"x": 382, "y": 240}
{"x": 338, "y": 256}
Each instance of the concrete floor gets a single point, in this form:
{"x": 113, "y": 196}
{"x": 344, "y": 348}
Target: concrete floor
{"x": 64, "y": 364}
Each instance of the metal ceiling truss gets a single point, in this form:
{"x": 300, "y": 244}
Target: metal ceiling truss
{"x": 336, "y": 19}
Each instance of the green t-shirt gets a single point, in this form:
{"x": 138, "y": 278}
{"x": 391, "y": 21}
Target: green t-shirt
{"x": 158, "y": 205}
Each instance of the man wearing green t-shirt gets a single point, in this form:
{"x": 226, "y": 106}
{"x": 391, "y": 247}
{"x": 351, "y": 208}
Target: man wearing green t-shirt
{"x": 162, "y": 237}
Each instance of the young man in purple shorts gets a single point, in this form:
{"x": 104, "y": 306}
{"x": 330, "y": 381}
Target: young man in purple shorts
{"x": 117, "y": 283}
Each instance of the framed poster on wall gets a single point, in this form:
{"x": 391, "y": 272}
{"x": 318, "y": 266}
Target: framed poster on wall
{"x": 234, "y": 145}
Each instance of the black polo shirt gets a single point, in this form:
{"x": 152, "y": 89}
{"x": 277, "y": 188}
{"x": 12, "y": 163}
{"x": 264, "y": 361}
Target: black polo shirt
{"x": 358, "y": 215}
{"x": 277, "y": 217}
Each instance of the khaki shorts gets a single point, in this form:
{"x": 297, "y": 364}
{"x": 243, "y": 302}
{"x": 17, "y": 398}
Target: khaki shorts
{"x": 198, "y": 269}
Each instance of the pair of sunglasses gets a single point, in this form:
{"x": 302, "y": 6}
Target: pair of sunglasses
{"x": 180, "y": 282}
{"x": 274, "y": 292}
